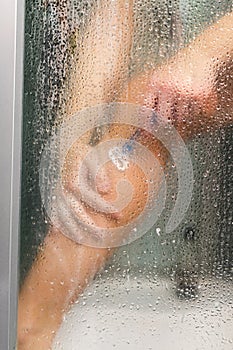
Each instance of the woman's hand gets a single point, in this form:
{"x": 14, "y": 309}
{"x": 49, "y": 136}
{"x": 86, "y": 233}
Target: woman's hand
{"x": 194, "y": 88}
{"x": 184, "y": 89}
{"x": 93, "y": 196}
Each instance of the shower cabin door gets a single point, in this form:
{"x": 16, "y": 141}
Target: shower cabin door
{"x": 11, "y": 72}
{"x": 124, "y": 151}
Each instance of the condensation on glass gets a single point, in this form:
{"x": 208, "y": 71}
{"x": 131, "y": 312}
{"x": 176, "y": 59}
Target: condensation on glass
{"x": 126, "y": 219}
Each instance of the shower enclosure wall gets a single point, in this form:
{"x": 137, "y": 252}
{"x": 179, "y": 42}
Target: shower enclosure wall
{"x": 173, "y": 289}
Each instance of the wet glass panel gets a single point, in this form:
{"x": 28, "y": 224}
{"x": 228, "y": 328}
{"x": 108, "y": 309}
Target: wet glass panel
{"x": 126, "y": 220}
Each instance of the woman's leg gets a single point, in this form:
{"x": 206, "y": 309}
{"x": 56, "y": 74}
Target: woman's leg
{"x": 63, "y": 267}
{"x": 60, "y": 273}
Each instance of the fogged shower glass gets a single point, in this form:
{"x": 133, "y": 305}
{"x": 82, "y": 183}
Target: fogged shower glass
{"x": 126, "y": 193}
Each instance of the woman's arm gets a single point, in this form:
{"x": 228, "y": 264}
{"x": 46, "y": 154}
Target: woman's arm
{"x": 194, "y": 88}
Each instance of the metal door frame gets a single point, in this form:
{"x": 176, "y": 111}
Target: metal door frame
{"x": 11, "y": 92}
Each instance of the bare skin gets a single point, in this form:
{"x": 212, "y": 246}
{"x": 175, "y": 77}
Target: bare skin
{"x": 63, "y": 268}
{"x": 60, "y": 273}
{"x": 184, "y": 86}
{"x": 194, "y": 88}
